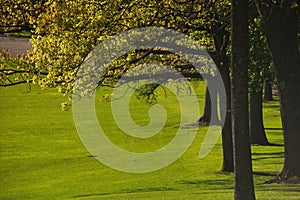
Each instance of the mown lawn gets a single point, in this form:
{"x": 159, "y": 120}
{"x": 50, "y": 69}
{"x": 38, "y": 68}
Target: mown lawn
{"x": 42, "y": 156}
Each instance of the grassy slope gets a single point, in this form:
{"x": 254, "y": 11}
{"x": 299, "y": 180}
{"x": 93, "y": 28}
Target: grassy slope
{"x": 42, "y": 156}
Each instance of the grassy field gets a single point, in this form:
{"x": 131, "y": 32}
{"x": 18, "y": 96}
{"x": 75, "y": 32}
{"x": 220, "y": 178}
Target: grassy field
{"x": 42, "y": 156}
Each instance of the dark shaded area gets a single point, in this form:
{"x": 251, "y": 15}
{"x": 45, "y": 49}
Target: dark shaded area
{"x": 272, "y": 106}
{"x": 276, "y": 129}
{"x": 209, "y": 184}
{"x": 127, "y": 191}
{"x": 267, "y": 90}
{"x": 269, "y": 144}
{"x": 150, "y": 189}
{"x": 271, "y": 153}
{"x": 257, "y": 131}
{"x": 285, "y": 180}
{"x": 264, "y": 174}
{"x": 92, "y": 156}
{"x": 280, "y": 23}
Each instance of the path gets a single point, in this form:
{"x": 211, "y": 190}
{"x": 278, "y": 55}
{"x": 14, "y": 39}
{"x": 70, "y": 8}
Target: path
{"x": 15, "y": 45}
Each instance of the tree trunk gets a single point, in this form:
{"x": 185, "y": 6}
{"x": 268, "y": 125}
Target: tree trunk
{"x": 221, "y": 40}
{"x": 222, "y": 62}
{"x": 281, "y": 31}
{"x": 257, "y": 130}
{"x": 227, "y": 128}
{"x": 205, "y": 118}
{"x": 267, "y": 91}
{"x": 243, "y": 187}
{"x": 207, "y": 113}
{"x": 281, "y": 26}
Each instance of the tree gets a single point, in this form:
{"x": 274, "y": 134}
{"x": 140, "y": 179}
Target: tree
{"x": 221, "y": 40}
{"x": 68, "y": 30}
{"x": 268, "y": 95}
{"x": 207, "y": 112}
{"x": 227, "y": 143}
{"x": 21, "y": 15}
{"x": 205, "y": 21}
{"x": 259, "y": 70}
{"x": 257, "y": 130}
{"x": 280, "y": 22}
{"x": 243, "y": 188}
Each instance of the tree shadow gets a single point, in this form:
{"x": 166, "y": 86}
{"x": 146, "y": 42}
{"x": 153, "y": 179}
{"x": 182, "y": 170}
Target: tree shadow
{"x": 268, "y": 144}
{"x": 275, "y": 144}
{"x": 268, "y": 153}
{"x": 272, "y": 106}
{"x": 262, "y": 156}
{"x": 274, "y": 129}
{"x": 149, "y": 189}
{"x": 128, "y": 191}
{"x": 265, "y": 174}
{"x": 210, "y": 184}
{"x": 285, "y": 180}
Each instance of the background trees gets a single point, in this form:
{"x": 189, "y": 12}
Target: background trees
{"x": 260, "y": 71}
{"x": 21, "y": 15}
{"x": 280, "y": 22}
{"x": 64, "y": 32}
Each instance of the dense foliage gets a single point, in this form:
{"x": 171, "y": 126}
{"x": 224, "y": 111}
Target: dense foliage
{"x": 67, "y": 31}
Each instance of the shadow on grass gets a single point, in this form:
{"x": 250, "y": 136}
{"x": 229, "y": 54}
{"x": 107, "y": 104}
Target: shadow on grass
{"x": 150, "y": 189}
{"x": 268, "y": 153}
{"x": 129, "y": 191}
{"x": 210, "y": 184}
{"x": 274, "y": 129}
{"x": 279, "y": 187}
{"x": 269, "y": 144}
{"x": 262, "y": 156}
{"x": 272, "y": 106}
{"x": 220, "y": 192}
{"x": 274, "y": 144}
{"x": 265, "y": 174}
{"x": 289, "y": 188}
{"x": 287, "y": 181}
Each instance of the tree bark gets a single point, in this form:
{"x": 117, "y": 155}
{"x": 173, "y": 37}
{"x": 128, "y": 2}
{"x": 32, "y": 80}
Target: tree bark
{"x": 206, "y": 118}
{"x": 243, "y": 187}
{"x": 221, "y": 39}
{"x": 221, "y": 60}
{"x": 281, "y": 26}
{"x": 257, "y": 130}
{"x": 267, "y": 91}
{"x": 227, "y": 128}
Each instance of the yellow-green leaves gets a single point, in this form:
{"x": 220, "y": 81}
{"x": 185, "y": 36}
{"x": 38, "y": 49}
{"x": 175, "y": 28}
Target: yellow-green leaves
{"x": 66, "y": 31}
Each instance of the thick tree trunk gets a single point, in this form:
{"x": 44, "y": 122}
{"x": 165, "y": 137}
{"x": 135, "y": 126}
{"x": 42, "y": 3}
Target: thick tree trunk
{"x": 243, "y": 187}
{"x": 290, "y": 115}
{"x": 222, "y": 62}
{"x": 281, "y": 26}
{"x": 221, "y": 39}
{"x": 257, "y": 130}
{"x": 206, "y": 118}
{"x": 227, "y": 128}
{"x": 267, "y": 91}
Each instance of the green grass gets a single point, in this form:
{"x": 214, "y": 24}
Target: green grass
{"x": 26, "y": 34}
{"x": 42, "y": 156}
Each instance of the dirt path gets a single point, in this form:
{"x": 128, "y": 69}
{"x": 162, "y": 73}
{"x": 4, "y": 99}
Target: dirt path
{"x": 15, "y": 45}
